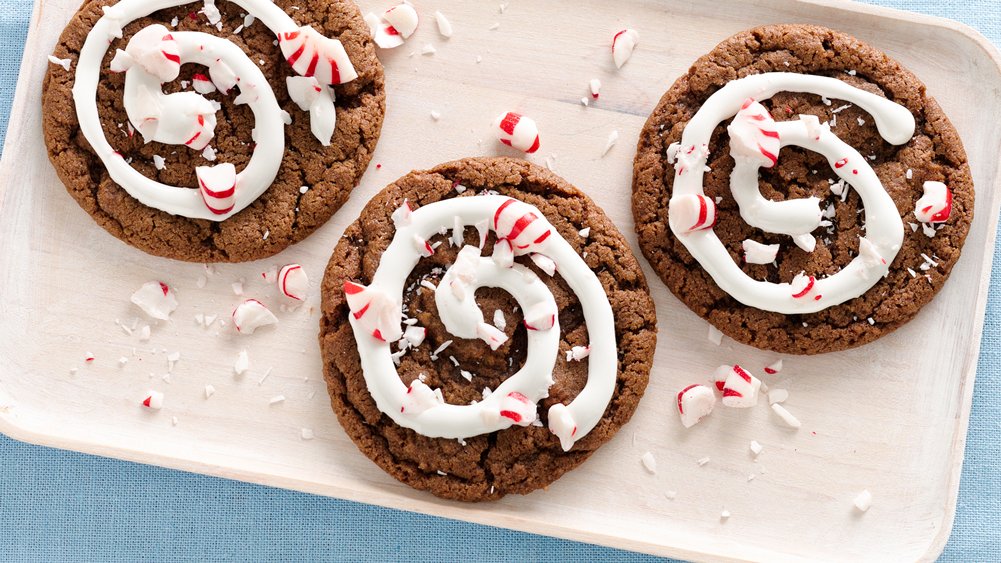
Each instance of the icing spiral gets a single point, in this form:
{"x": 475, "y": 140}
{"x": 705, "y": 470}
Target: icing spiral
{"x": 521, "y": 229}
{"x": 154, "y": 56}
{"x": 755, "y": 141}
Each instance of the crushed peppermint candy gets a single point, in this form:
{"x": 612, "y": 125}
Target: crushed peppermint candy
{"x": 156, "y": 299}
{"x": 209, "y": 391}
{"x": 595, "y": 86}
{"x": 153, "y": 400}
{"x": 715, "y": 335}
{"x": 863, "y": 501}
{"x": 786, "y": 416}
{"x": 307, "y": 434}
{"x": 242, "y": 363}
{"x": 444, "y": 26}
{"x": 578, "y": 353}
{"x": 774, "y": 367}
{"x": 756, "y": 448}
{"x": 613, "y": 137}
{"x": 777, "y": 396}
{"x": 649, "y": 463}
{"x": 277, "y": 399}
{"x": 702, "y": 461}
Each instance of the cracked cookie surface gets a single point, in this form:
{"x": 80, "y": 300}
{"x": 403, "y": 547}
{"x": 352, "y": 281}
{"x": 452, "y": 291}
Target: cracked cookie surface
{"x": 934, "y": 153}
{"x": 282, "y": 215}
{"x": 518, "y": 459}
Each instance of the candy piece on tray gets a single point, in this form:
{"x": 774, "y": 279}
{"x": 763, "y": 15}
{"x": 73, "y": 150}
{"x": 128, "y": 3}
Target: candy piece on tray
{"x": 935, "y": 205}
{"x": 419, "y": 398}
{"x": 156, "y": 299}
{"x": 740, "y": 390}
{"x": 444, "y": 26}
{"x": 403, "y": 18}
{"x": 757, "y": 253}
{"x": 753, "y": 135}
{"x": 517, "y": 131}
{"x": 310, "y": 53}
{"x": 695, "y": 402}
{"x": 217, "y": 185}
{"x": 692, "y": 212}
{"x": 385, "y": 35}
{"x": 375, "y": 311}
{"x": 252, "y": 315}
{"x": 623, "y": 44}
{"x": 153, "y": 400}
{"x": 518, "y": 408}
{"x": 293, "y": 282}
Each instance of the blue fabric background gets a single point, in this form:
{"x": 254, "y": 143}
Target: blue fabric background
{"x": 57, "y": 505}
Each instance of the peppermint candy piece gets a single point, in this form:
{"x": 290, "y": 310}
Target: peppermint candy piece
{"x": 217, "y": 185}
{"x": 293, "y": 282}
{"x": 757, "y": 253}
{"x": 935, "y": 205}
{"x": 153, "y": 400}
{"x": 403, "y": 18}
{"x": 518, "y": 409}
{"x": 252, "y": 315}
{"x": 402, "y": 217}
{"x": 384, "y": 35}
{"x": 444, "y": 26}
{"x": 517, "y": 223}
{"x": 623, "y": 44}
{"x": 562, "y": 425}
{"x": 374, "y": 311}
{"x": 202, "y": 84}
{"x": 740, "y": 389}
{"x": 517, "y": 131}
{"x": 318, "y": 99}
{"x": 419, "y": 398}
{"x": 312, "y": 54}
{"x": 691, "y": 212}
{"x": 156, "y": 299}
{"x": 695, "y": 402}
{"x": 753, "y": 135}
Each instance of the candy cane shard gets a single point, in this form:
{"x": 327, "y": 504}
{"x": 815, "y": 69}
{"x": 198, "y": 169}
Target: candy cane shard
{"x": 540, "y": 317}
{"x": 757, "y": 253}
{"x": 562, "y": 425}
{"x": 222, "y": 76}
{"x": 202, "y": 84}
{"x": 156, "y": 299}
{"x": 252, "y": 315}
{"x": 753, "y": 135}
{"x": 517, "y": 408}
{"x": 517, "y": 131}
{"x": 490, "y": 334}
{"x": 385, "y": 35}
{"x": 519, "y": 223}
{"x": 691, "y": 212}
{"x": 318, "y": 100}
{"x": 695, "y": 402}
{"x": 293, "y": 282}
{"x": 419, "y": 398}
{"x": 802, "y": 285}
{"x": 153, "y": 400}
{"x": 741, "y": 389}
{"x": 154, "y": 49}
{"x": 373, "y": 310}
{"x": 312, "y": 54}
{"x": 935, "y": 205}
{"x": 218, "y": 187}
{"x": 623, "y": 44}
{"x": 403, "y": 215}
{"x": 403, "y": 18}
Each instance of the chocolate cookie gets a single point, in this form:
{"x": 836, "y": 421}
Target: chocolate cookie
{"x": 313, "y": 180}
{"x": 934, "y": 153}
{"x": 520, "y": 458}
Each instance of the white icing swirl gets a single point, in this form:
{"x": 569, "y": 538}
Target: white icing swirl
{"x": 884, "y": 228}
{"x": 415, "y": 407}
{"x": 171, "y": 118}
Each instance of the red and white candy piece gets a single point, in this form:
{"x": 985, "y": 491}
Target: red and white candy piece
{"x": 774, "y": 367}
{"x": 402, "y": 217}
{"x": 252, "y": 315}
{"x": 545, "y": 263}
{"x": 757, "y": 253}
{"x": 516, "y": 222}
{"x": 318, "y": 99}
{"x": 385, "y": 35}
{"x": 415, "y": 335}
{"x": 695, "y": 402}
{"x": 154, "y": 49}
{"x": 623, "y": 44}
{"x": 423, "y": 247}
{"x": 802, "y": 285}
{"x": 403, "y": 18}
{"x": 578, "y": 353}
{"x": 293, "y": 282}
{"x": 493, "y": 336}
{"x": 692, "y": 212}
{"x": 595, "y": 86}
{"x": 419, "y": 398}
{"x": 540, "y": 317}
{"x": 562, "y": 424}
{"x": 310, "y": 53}
{"x": 753, "y": 135}
{"x": 740, "y": 389}
{"x": 217, "y": 185}
{"x": 222, "y": 76}
{"x": 720, "y": 375}
{"x": 156, "y": 299}
{"x": 375, "y": 311}
{"x": 518, "y": 408}
{"x": 935, "y": 205}
{"x": 202, "y": 84}
{"x": 153, "y": 400}
{"x": 517, "y": 131}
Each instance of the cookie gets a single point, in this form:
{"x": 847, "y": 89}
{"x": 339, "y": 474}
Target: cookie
{"x": 186, "y": 194}
{"x": 566, "y": 272}
{"x": 801, "y": 275}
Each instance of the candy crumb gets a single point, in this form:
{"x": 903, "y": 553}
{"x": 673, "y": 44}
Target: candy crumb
{"x": 715, "y": 336}
{"x": 724, "y": 515}
{"x": 786, "y": 416}
{"x": 777, "y": 396}
{"x": 756, "y": 447}
{"x": 670, "y": 495}
{"x": 702, "y": 461}
{"x": 306, "y": 434}
{"x": 65, "y": 63}
{"x": 649, "y": 463}
{"x": 774, "y": 368}
{"x": 864, "y": 500}
{"x": 277, "y": 399}
{"x": 209, "y": 391}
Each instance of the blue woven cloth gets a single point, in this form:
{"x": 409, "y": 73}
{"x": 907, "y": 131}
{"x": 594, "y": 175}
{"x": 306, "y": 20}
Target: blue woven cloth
{"x": 57, "y": 505}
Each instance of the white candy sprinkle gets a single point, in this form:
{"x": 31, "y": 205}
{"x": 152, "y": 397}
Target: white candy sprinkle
{"x": 702, "y": 461}
{"x": 864, "y": 500}
{"x": 670, "y": 495}
{"x": 306, "y": 434}
{"x": 173, "y": 419}
{"x": 494, "y": 26}
{"x": 499, "y": 321}
{"x": 465, "y": 374}
{"x": 724, "y": 515}
{"x": 444, "y": 26}
{"x": 595, "y": 86}
{"x": 237, "y": 288}
{"x": 122, "y": 361}
{"x": 909, "y": 174}
{"x": 277, "y": 399}
{"x": 428, "y": 49}
{"x": 777, "y": 396}
{"x": 584, "y": 102}
{"x": 715, "y": 336}
{"x": 649, "y": 463}
{"x": 158, "y": 162}
{"x": 208, "y": 153}
{"x": 435, "y": 115}
{"x": 303, "y": 189}
{"x": 242, "y": 363}
{"x": 144, "y": 333}
{"x": 209, "y": 391}
{"x": 786, "y": 416}
{"x": 756, "y": 447}
{"x": 613, "y": 137}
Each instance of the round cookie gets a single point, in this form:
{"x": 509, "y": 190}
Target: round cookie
{"x": 935, "y": 153}
{"x": 518, "y": 459}
{"x": 282, "y": 215}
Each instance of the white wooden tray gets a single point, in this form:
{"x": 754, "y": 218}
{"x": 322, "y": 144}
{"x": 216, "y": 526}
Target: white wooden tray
{"x": 890, "y": 417}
